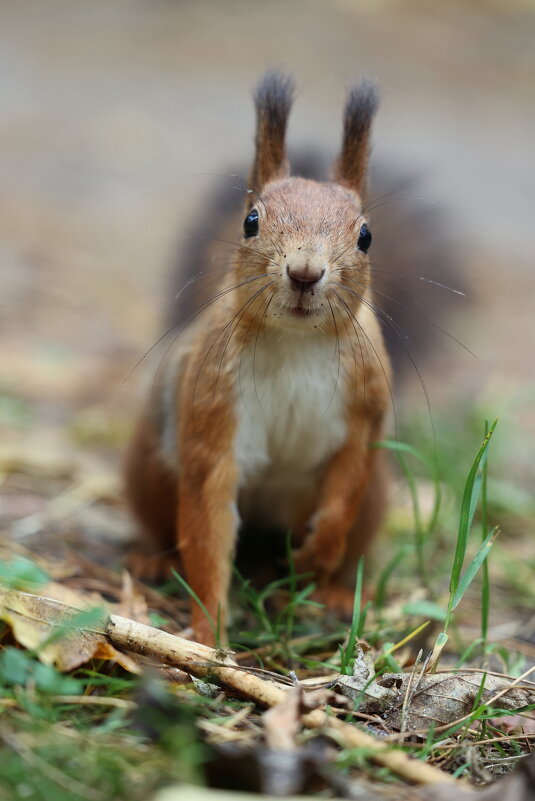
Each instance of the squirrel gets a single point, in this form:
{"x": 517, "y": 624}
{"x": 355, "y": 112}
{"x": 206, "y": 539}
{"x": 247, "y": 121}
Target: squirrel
{"x": 266, "y": 415}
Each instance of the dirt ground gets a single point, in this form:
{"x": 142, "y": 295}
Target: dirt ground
{"x": 116, "y": 116}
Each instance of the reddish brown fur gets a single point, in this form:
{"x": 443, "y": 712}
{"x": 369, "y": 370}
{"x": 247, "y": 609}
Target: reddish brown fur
{"x": 273, "y": 100}
{"x": 352, "y": 165}
{"x": 151, "y": 490}
{"x": 307, "y": 226}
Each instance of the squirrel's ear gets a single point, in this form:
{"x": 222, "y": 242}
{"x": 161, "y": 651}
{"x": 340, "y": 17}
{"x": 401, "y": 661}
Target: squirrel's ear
{"x": 273, "y": 100}
{"x": 351, "y": 167}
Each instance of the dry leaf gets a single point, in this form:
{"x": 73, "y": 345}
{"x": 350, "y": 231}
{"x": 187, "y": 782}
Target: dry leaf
{"x": 313, "y": 699}
{"x": 282, "y": 722}
{"x": 442, "y": 699}
{"x": 66, "y": 595}
{"x": 362, "y": 683}
{"x": 132, "y": 603}
{"x": 34, "y": 619}
{"x": 434, "y": 699}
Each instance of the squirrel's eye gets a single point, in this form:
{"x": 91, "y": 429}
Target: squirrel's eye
{"x": 365, "y": 238}
{"x": 250, "y": 225}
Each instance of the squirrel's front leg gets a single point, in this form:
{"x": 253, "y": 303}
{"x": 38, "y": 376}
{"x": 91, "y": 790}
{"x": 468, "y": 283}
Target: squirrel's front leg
{"x": 207, "y": 515}
{"x": 344, "y": 485}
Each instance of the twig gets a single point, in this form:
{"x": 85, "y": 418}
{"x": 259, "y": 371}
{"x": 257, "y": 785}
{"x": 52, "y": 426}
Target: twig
{"x": 453, "y": 746}
{"x": 83, "y": 700}
{"x": 410, "y": 692}
{"x": 488, "y": 672}
{"x": 199, "y": 660}
{"x": 96, "y": 700}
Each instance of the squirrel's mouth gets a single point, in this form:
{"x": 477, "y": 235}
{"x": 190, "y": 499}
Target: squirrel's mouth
{"x": 303, "y": 311}
{"x": 300, "y": 311}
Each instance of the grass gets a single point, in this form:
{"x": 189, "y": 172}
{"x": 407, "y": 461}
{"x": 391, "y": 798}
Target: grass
{"x": 356, "y": 631}
{"x": 100, "y": 733}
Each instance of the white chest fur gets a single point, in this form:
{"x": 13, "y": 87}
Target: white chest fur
{"x": 290, "y": 405}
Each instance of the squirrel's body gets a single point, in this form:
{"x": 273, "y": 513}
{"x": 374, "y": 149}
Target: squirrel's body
{"x": 267, "y": 414}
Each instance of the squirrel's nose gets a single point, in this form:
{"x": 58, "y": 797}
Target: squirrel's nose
{"x": 304, "y": 276}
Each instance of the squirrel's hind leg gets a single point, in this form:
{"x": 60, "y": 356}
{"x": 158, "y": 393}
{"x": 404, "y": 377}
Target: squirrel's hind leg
{"x": 150, "y": 483}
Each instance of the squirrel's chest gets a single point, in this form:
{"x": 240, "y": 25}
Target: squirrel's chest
{"x": 290, "y": 403}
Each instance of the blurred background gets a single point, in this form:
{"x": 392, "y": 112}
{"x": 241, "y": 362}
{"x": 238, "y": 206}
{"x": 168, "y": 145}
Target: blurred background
{"x": 117, "y": 120}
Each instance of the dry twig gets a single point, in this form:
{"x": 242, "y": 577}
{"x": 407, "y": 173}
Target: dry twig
{"x": 218, "y": 666}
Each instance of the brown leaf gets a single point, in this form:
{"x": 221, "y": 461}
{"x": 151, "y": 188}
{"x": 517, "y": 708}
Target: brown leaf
{"x": 34, "y": 619}
{"x": 132, "y": 603}
{"x": 362, "y": 683}
{"x": 312, "y": 699}
{"x": 282, "y": 722}
{"x": 441, "y": 699}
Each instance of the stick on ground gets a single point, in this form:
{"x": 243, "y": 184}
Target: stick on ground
{"x": 204, "y": 662}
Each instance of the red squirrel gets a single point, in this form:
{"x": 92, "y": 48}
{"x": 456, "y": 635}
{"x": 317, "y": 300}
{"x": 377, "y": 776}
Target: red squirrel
{"x": 266, "y": 412}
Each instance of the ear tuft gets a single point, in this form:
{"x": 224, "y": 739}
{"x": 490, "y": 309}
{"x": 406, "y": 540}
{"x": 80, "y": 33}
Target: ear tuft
{"x": 361, "y": 105}
{"x": 273, "y": 100}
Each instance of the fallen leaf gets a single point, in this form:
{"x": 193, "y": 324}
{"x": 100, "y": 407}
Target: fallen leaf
{"x": 313, "y": 699}
{"x": 132, "y": 603}
{"x": 433, "y": 699}
{"x": 282, "y": 722}
{"x": 36, "y": 622}
{"x": 440, "y": 699}
{"x": 362, "y": 684}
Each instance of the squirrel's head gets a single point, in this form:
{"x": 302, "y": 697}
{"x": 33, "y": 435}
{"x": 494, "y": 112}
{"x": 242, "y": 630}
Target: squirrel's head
{"x": 310, "y": 240}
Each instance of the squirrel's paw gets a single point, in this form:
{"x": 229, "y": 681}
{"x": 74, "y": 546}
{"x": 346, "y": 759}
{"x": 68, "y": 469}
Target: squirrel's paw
{"x": 319, "y": 557}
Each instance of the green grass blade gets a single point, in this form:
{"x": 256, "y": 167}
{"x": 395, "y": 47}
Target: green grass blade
{"x": 362, "y": 619}
{"x": 425, "y": 608}
{"x": 411, "y": 483}
{"x": 485, "y": 585}
{"x": 404, "y": 447}
{"x": 468, "y": 652}
{"x": 348, "y": 652}
{"x": 479, "y": 696}
{"x": 472, "y": 569}
{"x": 183, "y": 583}
{"x": 470, "y": 497}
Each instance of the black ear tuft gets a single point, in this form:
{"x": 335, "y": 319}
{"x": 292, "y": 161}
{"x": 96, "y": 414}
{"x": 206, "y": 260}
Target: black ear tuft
{"x": 274, "y": 96}
{"x": 361, "y": 105}
{"x": 273, "y": 101}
